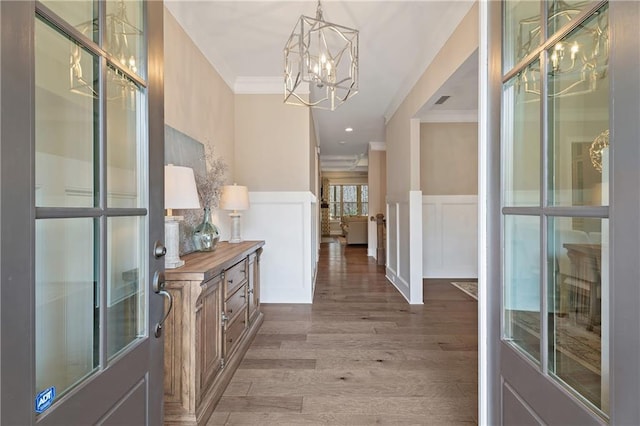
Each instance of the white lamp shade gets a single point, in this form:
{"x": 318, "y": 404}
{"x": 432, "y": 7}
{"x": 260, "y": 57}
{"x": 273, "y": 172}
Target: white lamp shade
{"x": 234, "y": 197}
{"x": 180, "y": 191}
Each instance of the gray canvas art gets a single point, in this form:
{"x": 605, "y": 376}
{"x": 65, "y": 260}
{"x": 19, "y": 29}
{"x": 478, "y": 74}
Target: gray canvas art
{"x": 182, "y": 150}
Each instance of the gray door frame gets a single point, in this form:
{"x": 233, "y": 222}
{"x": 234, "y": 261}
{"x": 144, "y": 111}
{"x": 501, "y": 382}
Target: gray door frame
{"x": 530, "y": 394}
{"x": 94, "y": 398}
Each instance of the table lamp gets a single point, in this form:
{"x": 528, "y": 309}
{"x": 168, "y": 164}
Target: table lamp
{"x": 235, "y": 198}
{"x": 180, "y": 192}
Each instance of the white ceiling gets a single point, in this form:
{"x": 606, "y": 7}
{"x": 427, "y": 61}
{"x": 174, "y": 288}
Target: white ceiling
{"x": 244, "y": 41}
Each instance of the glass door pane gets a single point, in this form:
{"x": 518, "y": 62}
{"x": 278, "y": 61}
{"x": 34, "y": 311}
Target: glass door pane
{"x": 561, "y": 12}
{"x": 578, "y": 342}
{"x": 579, "y": 113}
{"x": 521, "y": 138}
{"x": 124, "y": 135}
{"x": 522, "y": 323}
{"x": 522, "y": 35}
{"x": 66, "y": 126}
{"x": 81, "y": 14}
{"x": 126, "y": 278}
{"x": 123, "y": 38}
{"x": 67, "y": 312}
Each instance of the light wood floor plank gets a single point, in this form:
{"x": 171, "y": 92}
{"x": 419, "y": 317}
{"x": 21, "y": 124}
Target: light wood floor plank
{"x": 325, "y": 354}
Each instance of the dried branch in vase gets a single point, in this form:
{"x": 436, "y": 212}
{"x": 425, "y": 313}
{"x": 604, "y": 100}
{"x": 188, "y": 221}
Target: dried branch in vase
{"x": 209, "y": 185}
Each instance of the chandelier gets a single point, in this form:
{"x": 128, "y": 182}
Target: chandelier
{"x": 597, "y": 147}
{"x": 119, "y": 42}
{"x": 324, "y": 57}
{"x": 577, "y": 63}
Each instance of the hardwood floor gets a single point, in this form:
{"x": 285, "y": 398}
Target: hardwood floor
{"x": 359, "y": 355}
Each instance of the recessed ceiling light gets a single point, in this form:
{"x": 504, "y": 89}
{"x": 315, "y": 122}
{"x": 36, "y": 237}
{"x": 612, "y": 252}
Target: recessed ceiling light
{"x": 342, "y": 142}
{"x": 349, "y": 129}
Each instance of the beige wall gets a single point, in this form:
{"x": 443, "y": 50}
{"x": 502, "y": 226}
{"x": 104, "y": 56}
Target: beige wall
{"x": 377, "y": 182}
{"x": 338, "y": 178}
{"x": 272, "y": 144}
{"x": 197, "y": 100}
{"x": 314, "y": 173}
{"x": 402, "y": 160}
{"x": 449, "y": 158}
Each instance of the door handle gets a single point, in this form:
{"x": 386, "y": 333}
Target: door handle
{"x": 158, "y": 288}
{"x": 159, "y": 250}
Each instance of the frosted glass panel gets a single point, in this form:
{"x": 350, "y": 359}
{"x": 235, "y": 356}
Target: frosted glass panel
{"x": 66, "y": 309}
{"x": 522, "y": 283}
{"x": 124, "y": 141}
{"x": 126, "y": 280}
{"x": 66, "y": 128}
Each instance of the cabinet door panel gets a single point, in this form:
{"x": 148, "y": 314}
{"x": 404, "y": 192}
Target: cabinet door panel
{"x": 173, "y": 343}
{"x": 209, "y": 334}
{"x": 254, "y": 287}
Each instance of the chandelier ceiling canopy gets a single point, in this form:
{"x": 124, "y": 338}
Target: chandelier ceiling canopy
{"x": 324, "y": 57}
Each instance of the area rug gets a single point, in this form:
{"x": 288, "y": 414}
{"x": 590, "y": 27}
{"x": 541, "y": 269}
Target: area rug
{"x": 469, "y": 287}
{"x": 572, "y": 338}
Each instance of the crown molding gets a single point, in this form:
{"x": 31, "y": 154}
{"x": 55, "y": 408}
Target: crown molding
{"x": 377, "y": 146}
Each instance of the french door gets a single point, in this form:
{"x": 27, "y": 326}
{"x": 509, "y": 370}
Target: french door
{"x": 568, "y": 229}
{"x": 81, "y": 141}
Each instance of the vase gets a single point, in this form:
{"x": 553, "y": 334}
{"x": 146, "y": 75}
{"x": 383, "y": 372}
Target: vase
{"x": 206, "y": 235}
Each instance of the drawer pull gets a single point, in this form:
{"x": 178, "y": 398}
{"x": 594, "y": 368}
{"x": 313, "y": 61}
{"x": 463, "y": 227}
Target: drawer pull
{"x": 230, "y": 281}
{"x": 230, "y": 311}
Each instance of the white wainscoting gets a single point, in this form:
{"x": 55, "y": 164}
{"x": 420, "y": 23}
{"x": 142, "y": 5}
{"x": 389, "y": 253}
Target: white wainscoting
{"x": 450, "y": 236}
{"x": 286, "y": 221}
{"x": 404, "y": 256}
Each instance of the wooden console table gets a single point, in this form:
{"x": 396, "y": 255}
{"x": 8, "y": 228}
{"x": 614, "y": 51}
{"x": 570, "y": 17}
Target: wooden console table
{"x": 216, "y": 314}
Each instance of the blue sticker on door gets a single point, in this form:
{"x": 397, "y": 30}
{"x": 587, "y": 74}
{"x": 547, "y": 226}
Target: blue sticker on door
{"x": 45, "y": 398}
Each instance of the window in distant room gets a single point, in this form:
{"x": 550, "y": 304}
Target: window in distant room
{"x": 348, "y": 200}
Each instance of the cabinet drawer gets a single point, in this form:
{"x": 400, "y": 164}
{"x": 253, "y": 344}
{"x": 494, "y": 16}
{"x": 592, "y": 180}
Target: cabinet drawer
{"x": 234, "y": 277}
{"x": 233, "y": 334}
{"x": 236, "y": 303}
